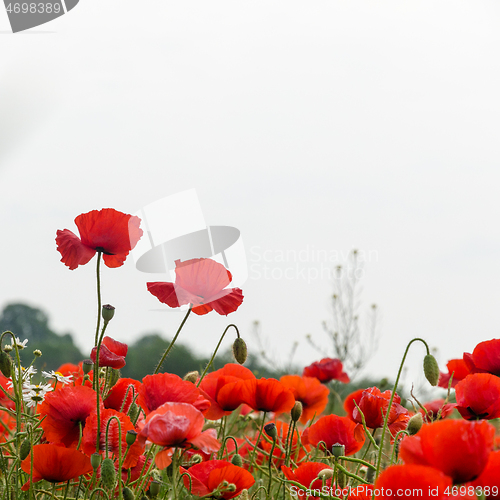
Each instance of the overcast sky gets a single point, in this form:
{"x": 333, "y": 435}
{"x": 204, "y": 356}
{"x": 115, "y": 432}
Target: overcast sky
{"x": 315, "y": 126}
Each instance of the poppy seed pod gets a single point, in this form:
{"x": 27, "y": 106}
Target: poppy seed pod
{"x": 271, "y": 431}
{"x": 87, "y": 366}
{"x": 240, "y": 351}
{"x": 128, "y": 494}
{"x": 338, "y": 450}
{"x": 107, "y": 312}
{"x": 415, "y": 424}
{"x": 130, "y": 437}
{"x": 95, "y": 460}
{"x": 431, "y": 369}
{"x": 5, "y": 364}
{"x": 108, "y": 473}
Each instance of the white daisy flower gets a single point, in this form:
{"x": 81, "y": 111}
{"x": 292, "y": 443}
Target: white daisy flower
{"x": 58, "y": 376}
{"x": 27, "y": 373}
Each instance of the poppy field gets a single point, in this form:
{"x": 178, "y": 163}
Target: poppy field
{"x": 84, "y": 432}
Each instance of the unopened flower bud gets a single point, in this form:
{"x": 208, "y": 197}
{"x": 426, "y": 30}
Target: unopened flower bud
{"x": 244, "y": 495}
{"x": 113, "y": 377}
{"x": 133, "y": 412}
{"x": 128, "y": 494}
{"x": 231, "y": 487}
{"x": 325, "y": 474}
{"x": 154, "y": 488}
{"x": 271, "y": 431}
{"x": 108, "y": 473}
{"x": 191, "y": 376}
{"x": 130, "y": 437}
{"x": 341, "y": 479}
{"x": 37, "y": 353}
{"x": 25, "y": 449}
{"x": 108, "y": 311}
{"x": 240, "y": 350}
{"x": 5, "y": 364}
{"x": 431, "y": 369}
{"x": 415, "y": 424}
{"x": 8, "y": 348}
{"x": 237, "y": 460}
{"x": 95, "y": 460}
{"x": 338, "y": 450}
{"x": 296, "y": 412}
{"x": 87, "y": 366}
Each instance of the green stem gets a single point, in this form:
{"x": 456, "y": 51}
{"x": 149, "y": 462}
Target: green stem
{"x": 169, "y": 348}
{"x": 99, "y": 253}
{"x": 270, "y": 469}
{"x": 215, "y": 352}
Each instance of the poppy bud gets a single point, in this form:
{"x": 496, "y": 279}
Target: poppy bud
{"x": 271, "y": 431}
{"x": 108, "y": 473}
{"x": 338, "y": 450}
{"x": 95, "y": 460}
{"x": 108, "y": 311}
{"x": 296, "y": 412}
{"x": 133, "y": 412}
{"x": 240, "y": 351}
{"x": 130, "y": 437}
{"x": 154, "y": 488}
{"x": 191, "y": 376}
{"x": 325, "y": 474}
{"x": 128, "y": 494}
{"x": 231, "y": 487}
{"x": 237, "y": 460}
{"x": 5, "y": 364}
{"x": 244, "y": 495}
{"x": 25, "y": 449}
{"x": 431, "y": 369}
{"x": 37, "y": 353}
{"x": 87, "y": 366}
{"x": 341, "y": 479}
{"x": 113, "y": 377}
{"x": 415, "y": 424}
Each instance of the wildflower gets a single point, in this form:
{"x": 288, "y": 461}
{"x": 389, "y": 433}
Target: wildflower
{"x": 478, "y": 396}
{"x": 484, "y": 358}
{"x": 26, "y": 375}
{"x": 122, "y": 394}
{"x": 326, "y": 370}
{"x": 55, "y": 464}
{"x": 456, "y": 367}
{"x": 459, "y": 448}
{"x": 202, "y": 283}
{"x": 307, "y": 474}
{"x": 108, "y": 231}
{"x": 111, "y": 353}
{"x": 490, "y": 477}
{"x": 176, "y": 425}
{"x": 401, "y": 481}
{"x": 218, "y": 479}
{"x": 435, "y": 408}
{"x": 21, "y": 344}
{"x": 58, "y": 376}
{"x": 35, "y": 393}
{"x": 310, "y": 392}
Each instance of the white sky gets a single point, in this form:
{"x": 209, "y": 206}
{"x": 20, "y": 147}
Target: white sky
{"x": 314, "y": 126}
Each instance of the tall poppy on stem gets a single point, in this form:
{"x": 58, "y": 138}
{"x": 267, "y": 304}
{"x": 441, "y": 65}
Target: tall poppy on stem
{"x": 111, "y": 353}
{"x": 326, "y": 370}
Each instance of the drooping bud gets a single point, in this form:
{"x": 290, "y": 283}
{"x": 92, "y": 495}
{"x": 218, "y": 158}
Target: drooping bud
{"x": 154, "y": 488}
{"x": 128, "y": 494}
{"x": 191, "y": 376}
{"x": 231, "y": 487}
{"x": 431, "y": 369}
{"x": 133, "y": 412}
{"x": 338, "y": 450}
{"x": 130, "y": 437}
{"x": 5, "y": 364}
{"x": 296, "y": 412}
{"x": 415, "y": 424}
{"x": 240, "y": 351}
{"x": 271, "y": 431}
{"x": 113, "y": 377}
{"x": 87, "y": 366}
{"x": 108, "y": 473}
{"x": 25, "y": 449}
{"x": 95, "y": 460}
{"x": 341, "y": 479}
{"x": 196, "y": 459}
{"x": 108, "y": 311}
{"x": 325, "y": 474}
{"x": 37, "y": 353}
{"x": 237, "y": 460}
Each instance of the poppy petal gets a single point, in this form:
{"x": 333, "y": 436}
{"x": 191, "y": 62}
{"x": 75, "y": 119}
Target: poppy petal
{"x": 74, "y": 252}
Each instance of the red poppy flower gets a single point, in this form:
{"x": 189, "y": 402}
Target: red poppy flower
{"x": 372, "y": 403}
{"x": 435, "y": 408}
{"x": 333, "y": 429}
{"x": 176, "y": 425}
{"x": 310, "y": 392}
{"x": 169, "y": 388}
{"x": 218, "y": 478}
{"x": 412, "y": 481}
{"x": 327, "y": 369}
{"x": 202, "y": 283}
{"x": 267, "y": 395}
{"x": 55, "y": 464}
{"x": 122, "y": 394}
{"x": 108, "y": 231}
{"x": 112, "y": 353}
{"x": 213, "y": 382}
{"x": 65, "y": 411}
{"x": 112, "y": 444}
{"x": 307, "y": 475}
{"x": 458, "y": 368}
{"x": 484, "y": 358}
{"x": 478, "y": 396}
{"x": 459, "y": 448}
{"x": 489, "y": 480}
